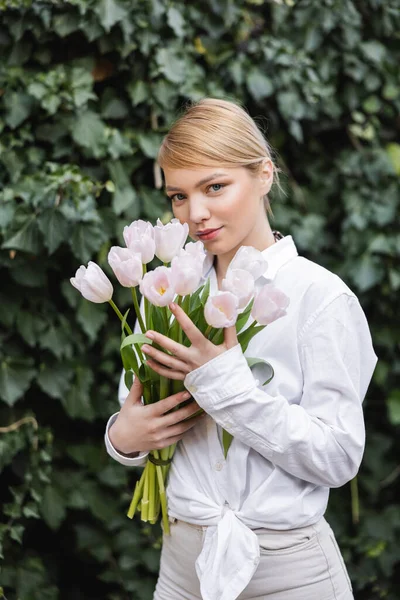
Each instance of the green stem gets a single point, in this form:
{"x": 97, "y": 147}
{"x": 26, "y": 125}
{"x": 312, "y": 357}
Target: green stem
{"x": 137, "y": 309}
{"x": 164, "y": 387}
{"x": 120, "y": 315}
{"x": 355, "y": 503}
{"x": 207, "y": 331}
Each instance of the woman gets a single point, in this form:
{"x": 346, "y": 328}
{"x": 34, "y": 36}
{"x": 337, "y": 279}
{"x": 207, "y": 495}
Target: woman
{"x": 251, "y": 526}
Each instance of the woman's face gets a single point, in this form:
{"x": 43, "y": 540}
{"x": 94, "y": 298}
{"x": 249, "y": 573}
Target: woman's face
{"x": 222, "y": 206}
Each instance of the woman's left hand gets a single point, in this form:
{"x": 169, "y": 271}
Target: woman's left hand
{"x": 182, "y": 359}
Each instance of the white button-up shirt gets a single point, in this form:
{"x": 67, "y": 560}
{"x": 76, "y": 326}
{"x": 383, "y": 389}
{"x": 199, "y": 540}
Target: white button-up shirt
{"x": 294, "y": 438}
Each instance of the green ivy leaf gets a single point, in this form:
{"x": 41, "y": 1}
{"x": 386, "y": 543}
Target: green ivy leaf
{"x": 27, "y": 238}
{"x": 259, "y": 85}
{"x": 176, "y": 21}
{"x": 19, "y": 106}
{"x": 54, "y": 227}
{"x": 15, "y": 379}
{"x": 393, "y": 404}
{"x": 54, "y": 379}
{"x": 110, "y": 12}
{"x": 53, "y": 508}
{"x": 91, "y": 317}
{"x": 88, "y": 131}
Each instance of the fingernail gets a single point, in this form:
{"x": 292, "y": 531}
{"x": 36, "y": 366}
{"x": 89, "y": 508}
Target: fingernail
{"x": 145, "y": 348}
{"x": 172, "y": 306}
{"x": 186, "y": 395}
{"x": 150, "y": 335}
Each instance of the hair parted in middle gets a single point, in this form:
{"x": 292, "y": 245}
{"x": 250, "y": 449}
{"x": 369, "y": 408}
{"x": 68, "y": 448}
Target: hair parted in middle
{"x": 215, "y": 131}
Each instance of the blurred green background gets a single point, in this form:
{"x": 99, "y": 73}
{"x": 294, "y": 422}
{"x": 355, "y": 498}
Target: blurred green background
{"x": 87, "y": 90}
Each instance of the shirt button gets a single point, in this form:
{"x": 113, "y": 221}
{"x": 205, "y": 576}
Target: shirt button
{"x": 192, "y": 389}
{"x": 219, "y": 466}
{"x": 256, "y": 561}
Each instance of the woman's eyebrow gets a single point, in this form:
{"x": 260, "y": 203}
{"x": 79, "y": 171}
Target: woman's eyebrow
{"x": 171, "y": 188}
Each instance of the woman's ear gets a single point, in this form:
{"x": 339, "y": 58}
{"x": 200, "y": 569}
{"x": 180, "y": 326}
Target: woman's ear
{"x": 266, "y": 175}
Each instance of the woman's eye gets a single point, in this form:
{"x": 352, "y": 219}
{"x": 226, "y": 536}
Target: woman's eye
{"x": 216, "y": 187}
{"x": 177, "y": 197}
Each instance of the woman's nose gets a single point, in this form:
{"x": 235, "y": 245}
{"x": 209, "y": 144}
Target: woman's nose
{"x": 198, "y": 211}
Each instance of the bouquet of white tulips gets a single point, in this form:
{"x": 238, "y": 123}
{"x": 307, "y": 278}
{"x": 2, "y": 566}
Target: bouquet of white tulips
{"x": 181, "y": 282}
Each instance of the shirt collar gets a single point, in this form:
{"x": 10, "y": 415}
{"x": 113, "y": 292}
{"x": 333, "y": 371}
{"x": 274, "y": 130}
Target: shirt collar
{"x": 276, "y": 256}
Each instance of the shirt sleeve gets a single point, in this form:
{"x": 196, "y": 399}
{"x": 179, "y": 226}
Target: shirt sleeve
{"x": 321, "y": 439}
{"x": 128, "y": 461}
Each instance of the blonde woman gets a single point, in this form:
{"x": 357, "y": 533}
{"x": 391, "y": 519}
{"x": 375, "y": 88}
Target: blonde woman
{"x": 251, "y": 526}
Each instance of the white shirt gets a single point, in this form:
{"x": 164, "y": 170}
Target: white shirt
{"x": 294, "y": 438}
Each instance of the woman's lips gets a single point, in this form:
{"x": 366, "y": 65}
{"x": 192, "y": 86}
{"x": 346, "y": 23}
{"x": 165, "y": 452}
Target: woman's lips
{"x": 208, "y": 234}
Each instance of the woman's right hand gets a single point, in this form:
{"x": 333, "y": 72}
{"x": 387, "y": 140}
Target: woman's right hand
{"x": 140, "y": 428}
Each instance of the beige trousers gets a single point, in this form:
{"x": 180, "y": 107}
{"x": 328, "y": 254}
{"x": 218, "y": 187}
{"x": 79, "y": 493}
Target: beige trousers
{"x": 298, "y": 564}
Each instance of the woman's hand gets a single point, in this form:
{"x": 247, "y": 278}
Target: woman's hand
{"x": 140, "y": 428}
{"x": 182, "y": 360}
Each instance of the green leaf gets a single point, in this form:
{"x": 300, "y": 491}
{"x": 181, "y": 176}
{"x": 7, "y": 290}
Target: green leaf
{"x": 54, "y": 379}
{"x": 176, "y": 21}
{"x": 244, "y": 316}
{"x": 91, "y": 317}
{"x": 57, "y": 340}
{"x": 30, "y": 326}
{"x": 27, "y": 238}
{"x": 86, "y": 240}
{"x": 374, "y": 50}
{"x": 88, "y": 131}
{"x": 149, "y": 143}
{"x": 52, "y": 508}
{"x": 15, "y": 380}
{"x": 172, "y": 66}
{"x": 110, "y": 12}
{"x": 123, "y": 199}
{"x": 266, "y": 370}
{"x": 138, "y": 92}
{"x": 19, "y": 106}
{"x": 136, "y": 338}
{"x": 247, "y": 335}
{"x": 259, "y": 85}
{"x": 393, "y": 151}
{"x": 77, "y": 403}
{"x": 54, "y": 227}
{"x": 393, "y": 404}
{"x": 226, "y": 441}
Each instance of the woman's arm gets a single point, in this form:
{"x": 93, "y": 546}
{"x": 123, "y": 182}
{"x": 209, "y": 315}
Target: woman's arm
{"x": 321, "y": 440}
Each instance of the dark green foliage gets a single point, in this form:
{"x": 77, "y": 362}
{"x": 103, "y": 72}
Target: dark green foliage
{"x": 87, "y": 90}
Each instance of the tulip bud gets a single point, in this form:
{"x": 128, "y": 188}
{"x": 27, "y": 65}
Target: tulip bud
{"x": 251, "y": 260}
{"x": 127, "y": 265}
{"x": 240, "y": 283}
{"x": 186, "y": 272}
{"x": 269, "y": 305}
{"x": 169, "y": 239}
{"x": 139, "y": 237}
{"x": 221, "y": 310}
{"x": 157, "y": 286}
{"x": 93, "y": 283}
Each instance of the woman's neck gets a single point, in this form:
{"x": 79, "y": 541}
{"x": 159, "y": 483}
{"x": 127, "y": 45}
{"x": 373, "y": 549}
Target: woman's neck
{"x": 260, "y": 239}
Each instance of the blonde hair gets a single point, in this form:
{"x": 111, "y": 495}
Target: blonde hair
{"x": 213, "y": 131}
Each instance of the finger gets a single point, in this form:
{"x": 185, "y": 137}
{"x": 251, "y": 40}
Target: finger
{"x": 165, "y": 359}
{"x": 183, "y": 427}
{"x": 193, "y": 333}
{"x": 135, "y": 393}
{"x": 163, "y": 406}
{"x": 230, "y": 337}
{"x": 162, "y": 340}
{"x": 176, "y": 416}
{"x": 165, "y": 372}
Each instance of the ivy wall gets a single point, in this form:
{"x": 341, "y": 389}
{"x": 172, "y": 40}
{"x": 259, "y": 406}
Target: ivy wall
{"x": 87, "y": 90}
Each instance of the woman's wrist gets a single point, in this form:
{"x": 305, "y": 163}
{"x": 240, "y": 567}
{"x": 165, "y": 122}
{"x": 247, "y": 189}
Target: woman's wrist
{"x": 118, "y": 445}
